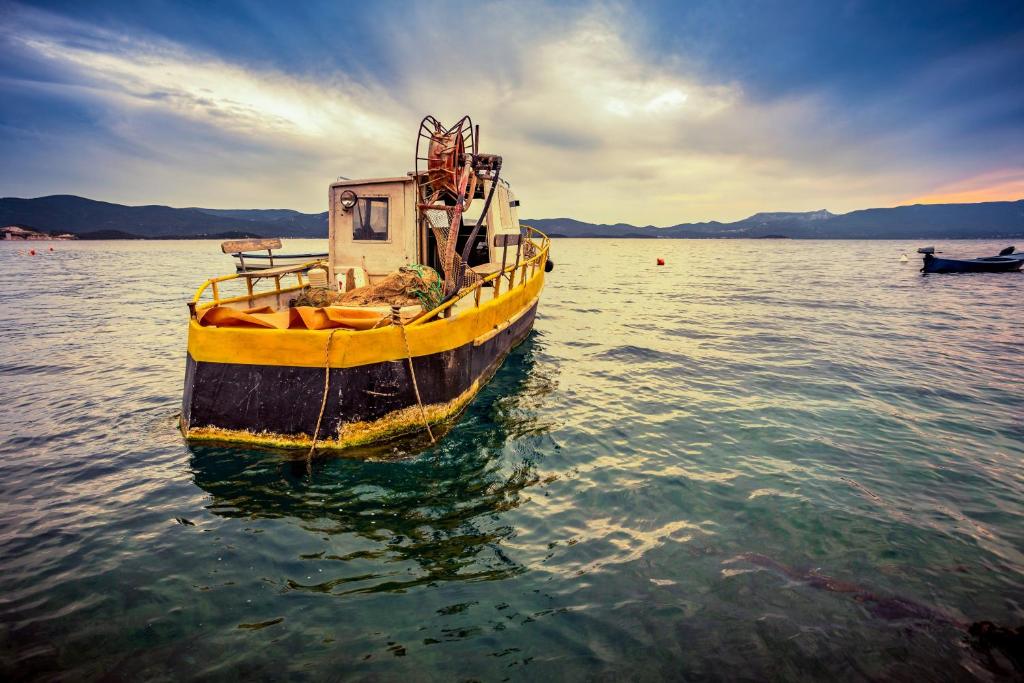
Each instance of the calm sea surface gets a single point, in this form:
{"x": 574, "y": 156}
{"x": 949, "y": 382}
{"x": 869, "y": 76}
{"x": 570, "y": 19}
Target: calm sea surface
{"x": 765, "y": 460}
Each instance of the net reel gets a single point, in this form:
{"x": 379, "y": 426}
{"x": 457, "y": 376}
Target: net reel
{"x": 445, "y": 183}
{"x": 443, "y": 157}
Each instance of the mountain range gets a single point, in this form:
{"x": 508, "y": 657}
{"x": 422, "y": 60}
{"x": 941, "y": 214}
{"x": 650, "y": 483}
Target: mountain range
{"x": 88, "y": 218}
{"x": 947, "y": 221}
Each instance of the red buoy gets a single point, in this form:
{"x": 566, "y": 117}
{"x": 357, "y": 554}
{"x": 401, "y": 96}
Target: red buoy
{"x": 661, "y": 262}
{"x": 31, "y": 252}
{"x": 51, "y": 248}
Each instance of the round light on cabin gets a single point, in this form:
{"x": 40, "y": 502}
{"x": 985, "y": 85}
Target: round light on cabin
{"x": 348, "y": 199}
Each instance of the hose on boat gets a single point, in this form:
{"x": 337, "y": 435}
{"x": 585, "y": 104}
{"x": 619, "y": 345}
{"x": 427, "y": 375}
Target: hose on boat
{"x": 468, "y": 249}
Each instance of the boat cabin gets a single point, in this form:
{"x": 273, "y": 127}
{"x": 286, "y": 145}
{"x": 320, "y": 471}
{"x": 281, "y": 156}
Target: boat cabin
{"x": 453, "y": 214}
{"x": 375, "y": 230}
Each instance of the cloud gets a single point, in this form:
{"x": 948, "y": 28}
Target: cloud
{"x": 139, "y": 75}
{"x": 589, "y": 125}
{"x": 210, "y": 131}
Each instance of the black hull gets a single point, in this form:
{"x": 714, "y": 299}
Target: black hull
{"x": 283, "y": 402}
{"x": 994, "y": 264}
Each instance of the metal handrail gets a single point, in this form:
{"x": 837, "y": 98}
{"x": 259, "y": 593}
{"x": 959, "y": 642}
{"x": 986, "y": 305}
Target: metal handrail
{"x": 212, "y": 283}
{"x": 536, "y": 261}
{"x": 533, "y": 262}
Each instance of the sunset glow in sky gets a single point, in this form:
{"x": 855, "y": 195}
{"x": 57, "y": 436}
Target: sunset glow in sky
{"x": 647, "y": 113}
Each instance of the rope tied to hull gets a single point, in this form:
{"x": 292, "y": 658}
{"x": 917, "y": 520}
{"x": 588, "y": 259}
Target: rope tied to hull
{"x": 327, "y": 386}
{"x": 396, "y": 319}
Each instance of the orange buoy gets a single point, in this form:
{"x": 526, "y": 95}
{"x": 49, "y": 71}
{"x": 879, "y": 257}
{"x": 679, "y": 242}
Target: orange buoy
{"x": 31, "y": 252}
{"x": 661, "y": 262}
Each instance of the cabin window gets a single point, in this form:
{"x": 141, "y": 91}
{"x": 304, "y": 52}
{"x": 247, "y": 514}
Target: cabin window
{"x": 370, "y": 219}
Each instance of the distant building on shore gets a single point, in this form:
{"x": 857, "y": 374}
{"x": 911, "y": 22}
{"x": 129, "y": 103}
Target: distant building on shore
{"x": 19, "y": 233}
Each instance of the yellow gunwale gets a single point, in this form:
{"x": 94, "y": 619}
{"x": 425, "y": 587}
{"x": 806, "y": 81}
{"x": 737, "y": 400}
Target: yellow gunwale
{"x": 429, "y": 334}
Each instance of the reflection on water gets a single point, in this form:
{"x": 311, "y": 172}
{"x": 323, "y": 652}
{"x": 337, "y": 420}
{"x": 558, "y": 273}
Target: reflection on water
{"x": 761, "y": 459}
{"x": 437, "y": 509}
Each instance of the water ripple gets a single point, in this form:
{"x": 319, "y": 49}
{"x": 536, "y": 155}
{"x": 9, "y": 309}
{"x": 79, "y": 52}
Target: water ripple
{"x": 788, "y": 466}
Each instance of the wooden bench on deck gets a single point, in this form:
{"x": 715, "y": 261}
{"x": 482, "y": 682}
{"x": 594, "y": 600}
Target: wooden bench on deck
{"x": 237, "y": 248}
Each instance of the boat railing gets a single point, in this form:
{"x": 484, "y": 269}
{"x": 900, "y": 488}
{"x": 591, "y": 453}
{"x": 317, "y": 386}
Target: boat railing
{"x": 524, "y": 269}
{"x": 516, "y": 274}
{"x": 213, "y": 285}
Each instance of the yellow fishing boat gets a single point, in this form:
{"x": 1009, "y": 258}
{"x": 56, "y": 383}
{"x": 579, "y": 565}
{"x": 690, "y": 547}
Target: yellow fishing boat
{"x": 429, "y": 282}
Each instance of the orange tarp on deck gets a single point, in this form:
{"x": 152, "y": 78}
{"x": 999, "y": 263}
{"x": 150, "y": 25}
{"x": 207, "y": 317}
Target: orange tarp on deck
{"x": 298, "y": 318}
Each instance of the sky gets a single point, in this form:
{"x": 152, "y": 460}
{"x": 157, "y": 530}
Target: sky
{"x": 649, "y": 113}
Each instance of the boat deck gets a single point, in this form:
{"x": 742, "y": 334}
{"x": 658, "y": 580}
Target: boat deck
{"x": 273, "y": 291}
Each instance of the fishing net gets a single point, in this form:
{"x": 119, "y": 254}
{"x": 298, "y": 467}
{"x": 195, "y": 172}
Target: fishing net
{"x": 315, "y": 297}
{"x": 439, "y": 219}
{"x": 408, "y": 286}
{"x": 430, "y": 294}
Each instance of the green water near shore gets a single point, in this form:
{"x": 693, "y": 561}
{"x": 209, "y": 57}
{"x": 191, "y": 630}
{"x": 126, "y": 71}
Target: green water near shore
{"x": 646, "y": 490}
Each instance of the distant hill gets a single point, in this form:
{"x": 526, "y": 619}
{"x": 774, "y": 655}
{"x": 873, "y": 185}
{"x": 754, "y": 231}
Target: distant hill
{"x": 92, "y": 219}
{"x": 68, "y": 213}
{"x": 947, "y": 221}
{"x": 285, "y": 221}
{"x": 121, "y": 235}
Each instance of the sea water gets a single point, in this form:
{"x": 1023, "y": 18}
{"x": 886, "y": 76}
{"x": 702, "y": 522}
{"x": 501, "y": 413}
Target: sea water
{"x": 765, "y": 459}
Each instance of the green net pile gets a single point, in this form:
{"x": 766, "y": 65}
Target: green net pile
{"x": 429, "y": 290}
